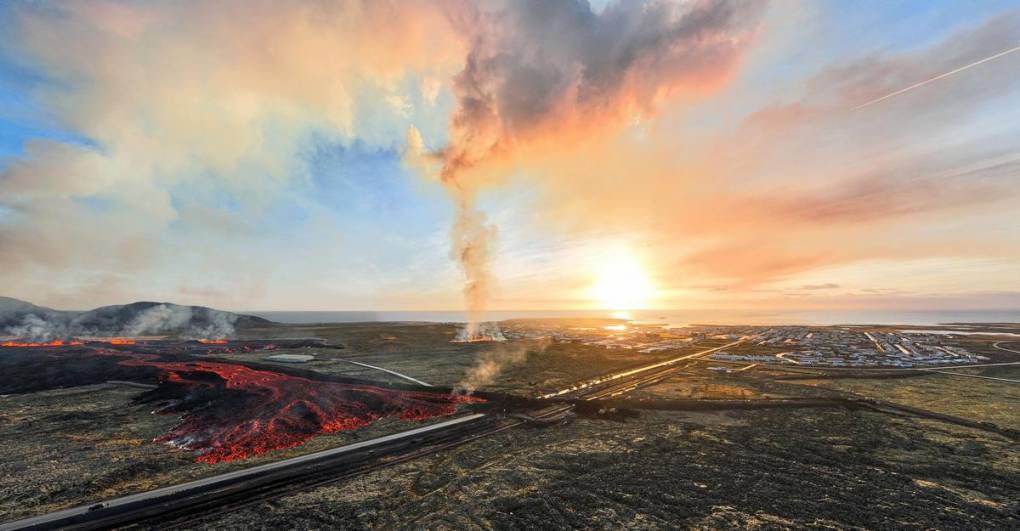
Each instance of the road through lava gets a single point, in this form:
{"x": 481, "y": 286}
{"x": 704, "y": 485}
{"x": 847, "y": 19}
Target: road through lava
{"x": 230, "y": 411}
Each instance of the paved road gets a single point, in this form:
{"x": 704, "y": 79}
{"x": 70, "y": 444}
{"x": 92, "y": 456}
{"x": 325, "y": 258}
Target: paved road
{"x": 997, "y": 343}
{"x": 782, "y": 356}
{"x": 394, "y": 373}
{"x": 885, "y": 370}
{"x": 979, "y": 365}
{"x": 243, "y": 486}
{"x": 634, "y": 372}
{"x": 973, "y": 366}
{"x": 965, "y": 375}
{"x": 80, "y": 515}
{"x": 942, "y": 370}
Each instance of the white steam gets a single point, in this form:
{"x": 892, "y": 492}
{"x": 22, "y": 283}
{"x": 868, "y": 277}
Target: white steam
{"x": 34, "y": 328}
{"x": 478, "y": 331}
{"x": 492, "y": 362}
{"x": 41, "y": 324}
{"x": 169, "y": 318}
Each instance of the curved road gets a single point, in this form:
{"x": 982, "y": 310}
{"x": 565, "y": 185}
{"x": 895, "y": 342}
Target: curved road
{"x": 997, "y": 343}
{"x": 394, "y": 373}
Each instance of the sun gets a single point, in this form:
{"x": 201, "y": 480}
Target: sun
{"x": 621, "y": 283}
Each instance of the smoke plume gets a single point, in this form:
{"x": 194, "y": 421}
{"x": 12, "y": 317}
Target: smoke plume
{"x": 556, "y": 71}
{"x": 541, "y": 68}
{"x": 491, "y": 363}
{"x": 172, "y": 318}
{"x": 169, "y": 109}
{"x": 27, "y": 322}
{"x": 471, "y": 237}
{"x": 35, "y": 328}
{"x": 480, "y": 331}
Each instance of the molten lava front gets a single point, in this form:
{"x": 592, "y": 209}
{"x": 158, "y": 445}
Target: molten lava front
{"x": 228, "y": 411}
{"x": 479, "y": 332}
{"x": 231, "y": 412}
{"x": 54, "y": 343}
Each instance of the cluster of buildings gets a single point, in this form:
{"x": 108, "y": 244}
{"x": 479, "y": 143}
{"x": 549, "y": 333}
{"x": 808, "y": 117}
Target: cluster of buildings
{"x": 850, "y": 347}
{"x": 799, "y": 345}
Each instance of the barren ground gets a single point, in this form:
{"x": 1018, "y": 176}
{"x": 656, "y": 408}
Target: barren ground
{"x": 827, "y": 467}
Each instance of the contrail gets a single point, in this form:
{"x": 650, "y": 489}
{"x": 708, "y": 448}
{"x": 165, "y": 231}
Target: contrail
{"x": 936, "y": 78}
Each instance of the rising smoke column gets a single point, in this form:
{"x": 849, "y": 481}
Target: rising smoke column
{"x": 493, "y": 361}
{"x": 471, "y": 237}
{"x": 545, "y": 74}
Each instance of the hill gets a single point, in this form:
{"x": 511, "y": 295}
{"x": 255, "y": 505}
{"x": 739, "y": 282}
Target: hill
{"x": 28, "y": 321}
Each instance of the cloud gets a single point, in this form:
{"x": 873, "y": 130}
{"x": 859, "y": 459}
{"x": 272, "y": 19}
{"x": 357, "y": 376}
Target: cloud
{"x": 809, "y": 184}
{"x": 559, "y": 72}
{"x": 199, "y": 117}
{"x": 880, "y": 291}
{"x": 827, "y": 285}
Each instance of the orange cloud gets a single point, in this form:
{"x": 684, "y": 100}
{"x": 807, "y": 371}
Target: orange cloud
{"x": 551, "y": 75}
{"x": 807, "y": 185}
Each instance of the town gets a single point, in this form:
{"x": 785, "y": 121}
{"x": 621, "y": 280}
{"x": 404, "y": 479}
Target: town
{"x": 844, "y": 346}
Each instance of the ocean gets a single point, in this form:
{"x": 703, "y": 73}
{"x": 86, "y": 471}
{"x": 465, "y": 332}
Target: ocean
{"x": 667, "y": 317}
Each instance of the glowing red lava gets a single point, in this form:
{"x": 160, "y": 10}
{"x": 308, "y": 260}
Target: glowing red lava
{"x": 477, "y": 340}
{"x": 231, "y": 412}
{"x": 213, "y": 341}
{"x": 54, "y": 343}
{"x": 120, "y": 341}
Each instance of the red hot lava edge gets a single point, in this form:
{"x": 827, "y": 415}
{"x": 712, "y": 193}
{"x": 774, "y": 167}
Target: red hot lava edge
{"x": 230, "y": 412}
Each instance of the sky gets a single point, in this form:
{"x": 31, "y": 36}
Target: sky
{"x": 553, "y": 154}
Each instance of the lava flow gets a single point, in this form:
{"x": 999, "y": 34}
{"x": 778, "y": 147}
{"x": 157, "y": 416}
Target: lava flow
{"x": 479, "y": 333}
{"x": 231, "y": 412}
{"x": 54, "y": 343}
